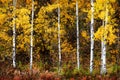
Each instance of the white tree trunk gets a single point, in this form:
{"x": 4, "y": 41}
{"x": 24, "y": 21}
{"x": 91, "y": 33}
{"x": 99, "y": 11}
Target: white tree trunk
{"x": 92, "y": 36}
{"x": 31, "y": 38}
{"x": 103, "y": 56}
{"x": 14, "y": 35}
{"x": 77, "y": 27}
{"x": 59, "y": 44}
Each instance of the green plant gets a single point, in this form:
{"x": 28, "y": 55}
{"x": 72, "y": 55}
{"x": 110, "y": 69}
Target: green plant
{"x": 21, "y": 66}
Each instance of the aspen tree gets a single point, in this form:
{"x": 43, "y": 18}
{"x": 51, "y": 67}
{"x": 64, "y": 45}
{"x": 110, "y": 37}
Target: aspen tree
{"x": 77, "y": 27}
{"x": 103, "y": 43}
{"x": 31, "y": 38}
{"x": 14, "y": 34}
{"x": 92, "y": 36}
{"x": 59, "y": 46}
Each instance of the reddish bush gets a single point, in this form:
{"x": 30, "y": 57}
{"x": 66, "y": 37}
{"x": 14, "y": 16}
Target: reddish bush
{"x": 17, "y": 77}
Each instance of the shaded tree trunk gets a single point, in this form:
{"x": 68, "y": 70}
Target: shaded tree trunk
{"x": 77, "y": 27}
{"x": 59, "y": 44}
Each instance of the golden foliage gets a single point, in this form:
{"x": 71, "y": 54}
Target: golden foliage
{"x": 109, "y": 34}
{"x": 85, "y": 35}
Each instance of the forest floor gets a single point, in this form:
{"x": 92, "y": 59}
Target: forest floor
{"x": 17, "y": 75}
{"x": 10, "y": 73}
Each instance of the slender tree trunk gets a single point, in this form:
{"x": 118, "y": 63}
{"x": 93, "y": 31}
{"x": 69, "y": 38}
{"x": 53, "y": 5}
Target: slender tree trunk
{"x": 31, "y": 38}
{"x": 59, "y": 43}
{"x": 77, "y": 27}
{"x": 92, "y": 36}
{"x": 103, "y": 56}
{"x": 14, "y": 34}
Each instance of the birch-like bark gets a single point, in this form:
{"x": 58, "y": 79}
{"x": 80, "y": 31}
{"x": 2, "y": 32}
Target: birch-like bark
{"x": 77, "y": 27}
{"x": 103, "y": 48}
{"x": 14, "y": 34}
{"x": 92, "y": 36}
{"x": 31, "y": 38}
{"x": 103, "y": 56}
{"x": 59, "y": 43}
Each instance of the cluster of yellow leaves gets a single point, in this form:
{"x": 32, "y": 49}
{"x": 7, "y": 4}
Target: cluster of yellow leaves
{"x": 3, "y": 15}
{"x": 22, "y": 18}
{"x": 85, "y": 35}
{"x": 114, "y": 51}
{"x": 50, "y": 8}
{"x": 46, "y": 28}
{"x": 5, "y": 1}
{"x": 2, "y": 10}
{"x": 4, "y": 36}
{"x": 49, "y": 31}
{"x": 24, "y": 41}
{"x": 108, "y": 34}
{"x": 23, "y": 25}
{"x": 67, "y": 15}
{"x": 2, "y": 18}
{"x": 66, "y": 47}
{"x": 99, "y": 9}
{"x": 113, "y": 1}
{"x": 111, "y": 36}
